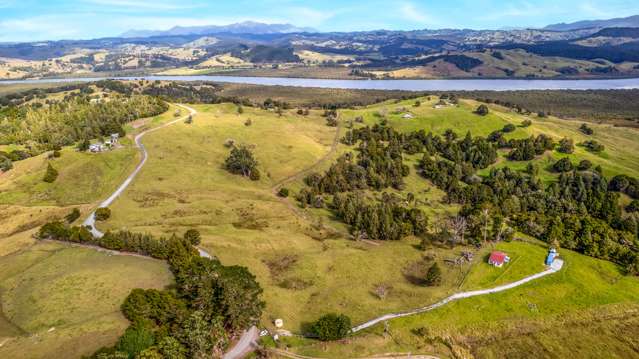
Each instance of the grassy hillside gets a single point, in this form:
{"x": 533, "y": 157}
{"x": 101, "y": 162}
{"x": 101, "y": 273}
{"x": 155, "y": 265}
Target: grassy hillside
{"x": 305, "y": 270}
{"x": 588, "y": 309}
{"x": 304, "y": 258}
{"x": 59, "y": 301}
{"x": 63, "y": 301}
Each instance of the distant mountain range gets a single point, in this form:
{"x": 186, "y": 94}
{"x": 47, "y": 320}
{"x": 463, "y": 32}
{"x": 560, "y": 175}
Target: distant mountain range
{"x": 246, "y": 27}
{"x": 604, "y": 48}
{"x": 631, "y": 21}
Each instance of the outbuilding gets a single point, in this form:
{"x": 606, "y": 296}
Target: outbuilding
{"x": 498, "y": 258}
{"x": 552, "y": 254}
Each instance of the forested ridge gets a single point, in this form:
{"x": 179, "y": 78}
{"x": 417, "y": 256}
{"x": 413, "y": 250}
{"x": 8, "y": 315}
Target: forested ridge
{"x": 579, "y": 211}
{"x": 64, "y": 123}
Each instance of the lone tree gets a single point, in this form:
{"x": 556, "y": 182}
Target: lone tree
{"x": 509, "y": 128}
{"x": 51, "y": 174}
{"x": 433, "y": 276}
{"x": 584, "y": 165}
{"x": 586, "y": 129}
{"x": 283, "y": 192}
{"x": 102, "y": 214}
{"x": 563, "y": 165}
{"x": 242, "y": 162}
{"x": 332, "y": 327}
{"x": 482, "y": 110}
{"x": 566, "y": 145}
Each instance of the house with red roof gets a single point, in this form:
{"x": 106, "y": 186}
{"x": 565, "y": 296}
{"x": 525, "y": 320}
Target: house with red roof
{"x": 498, "y": 258}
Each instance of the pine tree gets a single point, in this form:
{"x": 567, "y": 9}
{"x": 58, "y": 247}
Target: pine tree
{"x": 434, "y": 275}
{"x": 51, "y": 174}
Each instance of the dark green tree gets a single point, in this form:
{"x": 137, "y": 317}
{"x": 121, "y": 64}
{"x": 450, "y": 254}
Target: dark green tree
{"x": 135, "y": 339}
{"x": 509, "y": 128}
{"x": 584, "y": 165}
{"x": 51, "y": 174}
{"x": 433, "y": 276}
{"x": 193, "y": 236}
{"x": 633, "y": 206}
{"x": 563, "y": 165}
{"x": 566, "y": 145}
{"x": 73, "y": 215}
{"x": 332, "y": 327}
{"x": 482, "y": 110}
{"x": 242, "y": 162}
{"x": 102, "y": 214}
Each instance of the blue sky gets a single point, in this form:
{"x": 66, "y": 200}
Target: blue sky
{"x": 32, "y": 20}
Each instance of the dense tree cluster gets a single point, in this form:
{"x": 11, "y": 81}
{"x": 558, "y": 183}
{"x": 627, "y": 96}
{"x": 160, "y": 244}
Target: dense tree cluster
{"x": 526, "y": 149}
{"x": 625, "y": 184}
{"x": 63, "y": 123}
{"x": 7, "y": 158}
{"x": 192, "y": 319}
{"x": 377, "y": 166}
{"x": 388, "y": 219}
{"x": 522, "y": 197}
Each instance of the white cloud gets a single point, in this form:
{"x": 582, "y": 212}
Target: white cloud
{"x": 410, "y": 12}
{"x": 36, "y": 29}
{"x": 306, "y": 16}
{"x": 146, "y": 5}
{"x": 590, "y": 9}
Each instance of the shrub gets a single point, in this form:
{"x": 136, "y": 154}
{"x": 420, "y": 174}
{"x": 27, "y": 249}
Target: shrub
{"x": 50, "y": 175}
{"x": 57, "y": 153}
{"x": 332, "y": 327}
{"x": 541, "y": 114}
{"x": 71, "y": 217}
{"x": 283, "y": 192}
{"x": 584, "y": 165}
{"x": 417, "y": 103}
{"x": 102, "y": 214}
{"x": 248, "y": 122}
{"x": 526, "y": 123}
{"x": 633, "y": 206}
{"x": 5, "y": 164}
{"x": 135, "y": 339}
{"x": 434, "y": 275}
{"x": 593, "y": 146}
{"x": 509, "y": 128}
{"x": 566, "y": 145}
{"x": 193, "y": 236}
{"x": 482, "y": 110}
{"x": 563, "y": 165}
{"x": 83, "y": 145}
{"x": 586, "y": 129}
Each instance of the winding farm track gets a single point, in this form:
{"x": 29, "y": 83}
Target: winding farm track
{"x": 298, "y": 175}
{"x": 554, "y": 267}
{"x": 90, "y": 221}
{"x": 246, "y": 342}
